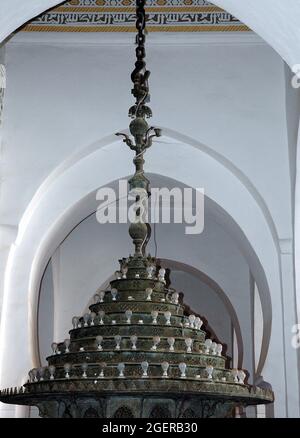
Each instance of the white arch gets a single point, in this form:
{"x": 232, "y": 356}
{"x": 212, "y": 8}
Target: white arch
{"x": 15, "y": 13}
{"x": 172, "y": 264}
{"x": 55, "y": 206}
{"x": 84, "y": 152}
{"x": 273, "y": 20}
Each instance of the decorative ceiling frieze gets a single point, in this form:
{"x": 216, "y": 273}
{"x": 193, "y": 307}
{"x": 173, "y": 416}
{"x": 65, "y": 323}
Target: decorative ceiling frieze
{"x": 119, "y": 16}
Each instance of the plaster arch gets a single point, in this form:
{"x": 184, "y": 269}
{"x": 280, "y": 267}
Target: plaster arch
{"x": 56, "y": 211}
{"x": 173, "y": 264}
{"x": 82, "y": 153}
{"x": 280, "y": 30}
{"x": 273, "y": 20}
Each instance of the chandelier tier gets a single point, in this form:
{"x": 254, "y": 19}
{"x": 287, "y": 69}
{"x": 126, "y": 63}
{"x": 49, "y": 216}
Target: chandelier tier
{"x": 139, "y": 352}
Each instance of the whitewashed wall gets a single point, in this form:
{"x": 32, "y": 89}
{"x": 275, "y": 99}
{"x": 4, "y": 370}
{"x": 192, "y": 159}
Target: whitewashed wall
{"x": 273, "y": 20}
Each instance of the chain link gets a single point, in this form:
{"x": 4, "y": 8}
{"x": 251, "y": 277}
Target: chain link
{"x": 140, "y": 75}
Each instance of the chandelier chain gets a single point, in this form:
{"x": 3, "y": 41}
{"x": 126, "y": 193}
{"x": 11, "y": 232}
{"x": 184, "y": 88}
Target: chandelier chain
{"x": 140, "y": 74}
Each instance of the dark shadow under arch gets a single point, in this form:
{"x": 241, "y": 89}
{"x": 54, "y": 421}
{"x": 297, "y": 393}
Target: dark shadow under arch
{"x": 174, "y": 265}
{"x": 123, "y": 412}
{"x": 160, "y": 411}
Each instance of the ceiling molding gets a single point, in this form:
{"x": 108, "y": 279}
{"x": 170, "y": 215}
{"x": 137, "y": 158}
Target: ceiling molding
{"x": 121, "y": 39}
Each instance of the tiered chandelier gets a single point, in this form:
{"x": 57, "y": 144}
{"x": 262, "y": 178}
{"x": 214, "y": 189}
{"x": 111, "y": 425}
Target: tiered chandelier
{"x": 138, "y": 352}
